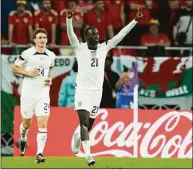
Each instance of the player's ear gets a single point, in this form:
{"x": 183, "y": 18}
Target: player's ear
{"x": 34, "y": 41}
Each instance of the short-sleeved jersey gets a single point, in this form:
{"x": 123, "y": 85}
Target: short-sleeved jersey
{"x": 30, "y": 60}
{"x": 21, "y": 24}
{"x": 90, "y": 66}
{"x": 147, "y": 38}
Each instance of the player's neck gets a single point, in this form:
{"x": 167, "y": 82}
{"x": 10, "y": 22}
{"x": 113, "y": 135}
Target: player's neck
{"x": 39, "y": 49}
{"x": 92, "y": 47}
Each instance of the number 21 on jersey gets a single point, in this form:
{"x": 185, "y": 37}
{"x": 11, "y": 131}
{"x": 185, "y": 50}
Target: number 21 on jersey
{"x": 94, "y": 62}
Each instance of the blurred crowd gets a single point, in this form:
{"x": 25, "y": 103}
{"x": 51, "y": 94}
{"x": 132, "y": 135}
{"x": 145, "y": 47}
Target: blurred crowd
{"x": 165, "y": 22}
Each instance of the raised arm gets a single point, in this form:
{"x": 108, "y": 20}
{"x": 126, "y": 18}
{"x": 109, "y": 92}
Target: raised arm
{"x": 70, "y": 31}
{"x": 119, "y": 37}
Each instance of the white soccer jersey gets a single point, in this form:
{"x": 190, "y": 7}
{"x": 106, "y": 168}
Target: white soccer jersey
{"x": 91, "y": 63}
{"x": 30, "y": 59}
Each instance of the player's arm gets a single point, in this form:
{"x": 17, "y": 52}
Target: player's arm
{"x": 18, "y": 68}
{"x": 122, "y": 14}
{"x": 11, "y": 26}
{"x": 30, "y": 30}
{"x": 48, "y": 81}
{"x": 53, "y": 34}
{"x": 116, "y": 39}
{"x": 70, "y": 31}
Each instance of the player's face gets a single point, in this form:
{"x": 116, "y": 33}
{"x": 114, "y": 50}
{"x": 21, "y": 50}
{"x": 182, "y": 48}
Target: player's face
{"x": 188, "y": 3}
{"x": 100, "y": 5}
{"x": 46, "y": 5}
{"x": 92, "y": 37}
{"x": 41, "y": 40}
{"x": 20, "y": 8}
{"x": 71, "y": 4}
{"x": 153, "y": 29}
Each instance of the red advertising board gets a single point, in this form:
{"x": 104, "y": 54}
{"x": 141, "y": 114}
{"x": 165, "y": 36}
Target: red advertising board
{"x": 160, "y": 133}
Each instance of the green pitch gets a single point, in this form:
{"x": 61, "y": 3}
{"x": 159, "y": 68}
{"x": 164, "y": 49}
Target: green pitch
{"x": 58, "y": 162}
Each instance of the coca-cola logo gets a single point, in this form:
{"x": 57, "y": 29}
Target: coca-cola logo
{"x": 159, "y": 138}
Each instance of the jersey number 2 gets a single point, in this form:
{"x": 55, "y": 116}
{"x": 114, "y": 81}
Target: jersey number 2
{"x": 94, "y": 62}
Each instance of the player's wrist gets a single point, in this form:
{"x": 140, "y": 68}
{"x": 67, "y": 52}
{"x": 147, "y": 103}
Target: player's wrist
{"x": 69, "y": 15}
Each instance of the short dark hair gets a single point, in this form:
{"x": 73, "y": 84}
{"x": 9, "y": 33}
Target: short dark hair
{"x": 87, "y": 30}
{"x": 39, "y": 30}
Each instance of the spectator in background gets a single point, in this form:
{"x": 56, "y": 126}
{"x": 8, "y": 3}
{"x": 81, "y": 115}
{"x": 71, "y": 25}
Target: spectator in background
{"x": 145, "y": 6}
{"x": 20, "y": 25}
{"x": 47, "y": 18}
{"x": 125, "y": 90}
{"x": 110, "y": 79}
{"x": 59, "y": 5}
{"x": 154, "y": 37}
{"x": 99, "y": 18}
{"x": 67, "y": 88}
{"x": 183, "y": 26}
{"x": 85, "y": 5}
{"x": 116, "y": 9}
{"x": 77, "y": 25}
{"x": 155, "y": 40}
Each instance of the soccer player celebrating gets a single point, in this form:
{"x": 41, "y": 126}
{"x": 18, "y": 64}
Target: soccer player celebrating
{"x": 91, "y": 60}
{"x": 35, "y": 65}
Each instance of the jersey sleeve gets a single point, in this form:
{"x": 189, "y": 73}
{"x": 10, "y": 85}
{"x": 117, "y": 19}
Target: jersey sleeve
{"x": 71, "y": 35}
{"x": 11, "y": 18}
{"x": 116, "y": 39}
{"x": 53, "y": 60}
{"x": 21, "y": 59}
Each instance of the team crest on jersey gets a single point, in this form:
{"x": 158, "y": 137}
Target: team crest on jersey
{"x": 50, "y": 18}
{"x": 93, "y": 53}
{"x": 25, "y": 20}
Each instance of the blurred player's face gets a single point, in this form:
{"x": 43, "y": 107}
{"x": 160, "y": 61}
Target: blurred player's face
{"x": 188, "y": 3}
{"x": 153, "y": 29}
{"x": 71, "y": 4}
{"x": 46, "y": 5}
{"x": 174, "y": 4}
{"x": 100, "y": 5}
{"x": 20, "y": 8}
{"x": 92, "y": 37}
{"x": 40, "y": 40}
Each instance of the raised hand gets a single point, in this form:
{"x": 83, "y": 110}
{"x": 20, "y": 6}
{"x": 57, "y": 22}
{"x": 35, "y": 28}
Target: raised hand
{"x": 70, "y": 12}
{"x": 32, "y": 73}
{"x": 139, "y": 15}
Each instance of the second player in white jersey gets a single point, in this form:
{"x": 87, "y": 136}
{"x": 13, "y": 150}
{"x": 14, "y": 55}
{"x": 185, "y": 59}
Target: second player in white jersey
{"x": 35, "y": 65}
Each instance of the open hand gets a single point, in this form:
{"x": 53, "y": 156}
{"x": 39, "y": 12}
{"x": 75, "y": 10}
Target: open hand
{"x": 139, "y": 15}
{"x": 32, "y": 73}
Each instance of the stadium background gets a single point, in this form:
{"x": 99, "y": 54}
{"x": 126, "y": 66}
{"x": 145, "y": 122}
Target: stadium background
{"x": 165, "y": 71}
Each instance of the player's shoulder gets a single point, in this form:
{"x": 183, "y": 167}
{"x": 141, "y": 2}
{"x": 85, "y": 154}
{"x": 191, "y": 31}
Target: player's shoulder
{"x": 62, "y": 12}
{"x": 29, "y": 50}
{"x": 54, "y": 12}
{"x": 12, "y": 13}
{"x": 37, "y": 12}
{"x": 50, "y": 53}
{"x": 28, "y": 13}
